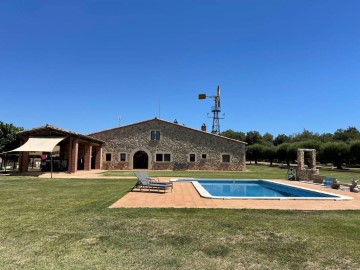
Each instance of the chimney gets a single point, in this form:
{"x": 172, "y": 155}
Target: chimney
{"x": 203, "y": 127}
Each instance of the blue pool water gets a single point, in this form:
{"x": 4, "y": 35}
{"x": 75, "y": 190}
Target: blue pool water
{"x": 258, "y": 188}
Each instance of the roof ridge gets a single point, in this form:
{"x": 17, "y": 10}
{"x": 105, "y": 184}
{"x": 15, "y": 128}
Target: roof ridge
{"x": 48, "y": 126}
{"x": 168, "y": 122}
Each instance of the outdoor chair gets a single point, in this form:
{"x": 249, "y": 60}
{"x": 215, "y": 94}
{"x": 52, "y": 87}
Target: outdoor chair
{"x": 144, "y": 181}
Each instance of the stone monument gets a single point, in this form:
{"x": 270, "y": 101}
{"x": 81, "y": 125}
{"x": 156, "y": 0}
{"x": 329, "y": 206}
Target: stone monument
{"x": 302, "y": 172}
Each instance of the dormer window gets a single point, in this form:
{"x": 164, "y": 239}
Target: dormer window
{"x": 155, "y": 135}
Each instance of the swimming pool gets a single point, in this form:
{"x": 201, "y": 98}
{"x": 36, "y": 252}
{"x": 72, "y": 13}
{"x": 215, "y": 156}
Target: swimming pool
{"x": 259, "y": 189}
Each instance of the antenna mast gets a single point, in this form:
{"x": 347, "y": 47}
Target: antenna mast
{"x": 215, "y": 110}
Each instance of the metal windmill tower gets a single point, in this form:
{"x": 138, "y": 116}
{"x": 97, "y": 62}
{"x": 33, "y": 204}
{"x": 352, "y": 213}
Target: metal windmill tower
{"x": 215, "y": 110}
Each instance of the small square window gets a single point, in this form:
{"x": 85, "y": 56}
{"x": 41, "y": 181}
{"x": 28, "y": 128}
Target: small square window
{"x": 167, "y": 157}
{"x": 204, "y": 156}
{"x": 108, "y": 157}
{"x": 225, "y": 158}
{"x": 159, "y": 157}
{"x": 155, "y": 135}
{"x": 122, "y": 156}
{"x": 192, "y": 157}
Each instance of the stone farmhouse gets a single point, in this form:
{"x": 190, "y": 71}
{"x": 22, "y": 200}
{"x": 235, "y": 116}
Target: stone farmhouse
{"x": 161, "y": 145}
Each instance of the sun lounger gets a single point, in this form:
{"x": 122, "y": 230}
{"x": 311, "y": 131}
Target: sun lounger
{"x": 144, "y": 181}
{"x": 153, "y": 180}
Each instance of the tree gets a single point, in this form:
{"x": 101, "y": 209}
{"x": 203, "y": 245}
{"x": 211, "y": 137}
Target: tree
{"x": 267, "y": 139}
{"x": 335, "y": 152}
{"x": 280, "y": 139}
{"x": 234, "y": 135}
{"x": 8, "y": 136}
{"x": 287, "y": 152}
{"x": 355, "y": 150}
{"x": 306, "y": 135}
{"x": 292, "y": 151}
{"x": 326, "y": 137}
{"x": 269, "y": 152}
{"x": 253, "y": 137}
{"x": 311, "y": 144}
{"x": 282, "y": 154}
{"x": 347, "y": 135}
{"x": 255, "y": 152}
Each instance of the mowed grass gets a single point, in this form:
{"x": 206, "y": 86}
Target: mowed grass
{"x": 343, "y": 175}
{"x": 66, "y": 224}
{"x": 252, "y": 172}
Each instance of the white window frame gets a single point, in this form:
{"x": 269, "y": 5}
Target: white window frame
{"x": 206, "y": 156}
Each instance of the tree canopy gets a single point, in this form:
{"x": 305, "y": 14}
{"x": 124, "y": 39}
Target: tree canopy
{"x": 8, "y": 136}
{"x": 342, "y": 146}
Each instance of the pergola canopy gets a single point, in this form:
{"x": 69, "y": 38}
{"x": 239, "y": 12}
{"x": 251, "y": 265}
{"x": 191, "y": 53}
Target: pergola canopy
{"x": 38, "y": 145}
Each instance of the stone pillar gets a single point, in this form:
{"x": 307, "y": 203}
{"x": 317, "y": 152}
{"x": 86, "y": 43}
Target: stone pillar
{"x": 300, "y": 159}
{"x": 312, "y": 164}
{"x": 98, "y": 160}
{"x": 68, "y": 154}
{"x": 87, "y": 157}
{"x": 24, "y": 162}
{"x": 74, "y": 151}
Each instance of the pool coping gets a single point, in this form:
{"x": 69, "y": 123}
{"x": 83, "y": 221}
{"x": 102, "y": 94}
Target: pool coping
{"x": 205, "y": 194}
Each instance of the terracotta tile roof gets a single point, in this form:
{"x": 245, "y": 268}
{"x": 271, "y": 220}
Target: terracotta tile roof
{"x": 48, "y": 128}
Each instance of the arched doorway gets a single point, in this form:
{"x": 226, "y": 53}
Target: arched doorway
{"x": 140, "y": 160}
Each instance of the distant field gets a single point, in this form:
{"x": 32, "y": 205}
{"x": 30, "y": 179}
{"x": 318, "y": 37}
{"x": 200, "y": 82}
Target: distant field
{"x": 252, "y": 172}
{"x": 66, "y": 224}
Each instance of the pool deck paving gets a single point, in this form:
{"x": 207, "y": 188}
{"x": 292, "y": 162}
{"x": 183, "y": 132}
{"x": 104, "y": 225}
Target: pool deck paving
{"x": 184, "y": 195}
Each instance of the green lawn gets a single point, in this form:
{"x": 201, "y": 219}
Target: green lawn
{"x": 342, "y": 175}
{"x": 252, "y": 172}
{"x": 66, "y": 224}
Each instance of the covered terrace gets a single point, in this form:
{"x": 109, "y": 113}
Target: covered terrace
{"x": 74, "y": 151}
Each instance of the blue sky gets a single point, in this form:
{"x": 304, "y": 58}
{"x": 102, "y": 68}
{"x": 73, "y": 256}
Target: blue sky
{"x": 283, "y": 66}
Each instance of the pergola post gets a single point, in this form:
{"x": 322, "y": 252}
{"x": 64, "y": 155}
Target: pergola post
{"x": 87, "y": 157}
{"x": 98, "y": 160}
{"x": 51, "y": 165}
{"x": 74, "y": 150}
{"x": 24, "y": 162}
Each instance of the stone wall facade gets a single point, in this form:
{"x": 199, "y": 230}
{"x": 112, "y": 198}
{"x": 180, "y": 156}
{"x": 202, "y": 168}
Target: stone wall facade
{"x": 179, "y": 147}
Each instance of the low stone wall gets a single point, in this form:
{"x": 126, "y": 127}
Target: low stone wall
{"x": 306, "y": 174}
{"x": 319, "y": 179}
